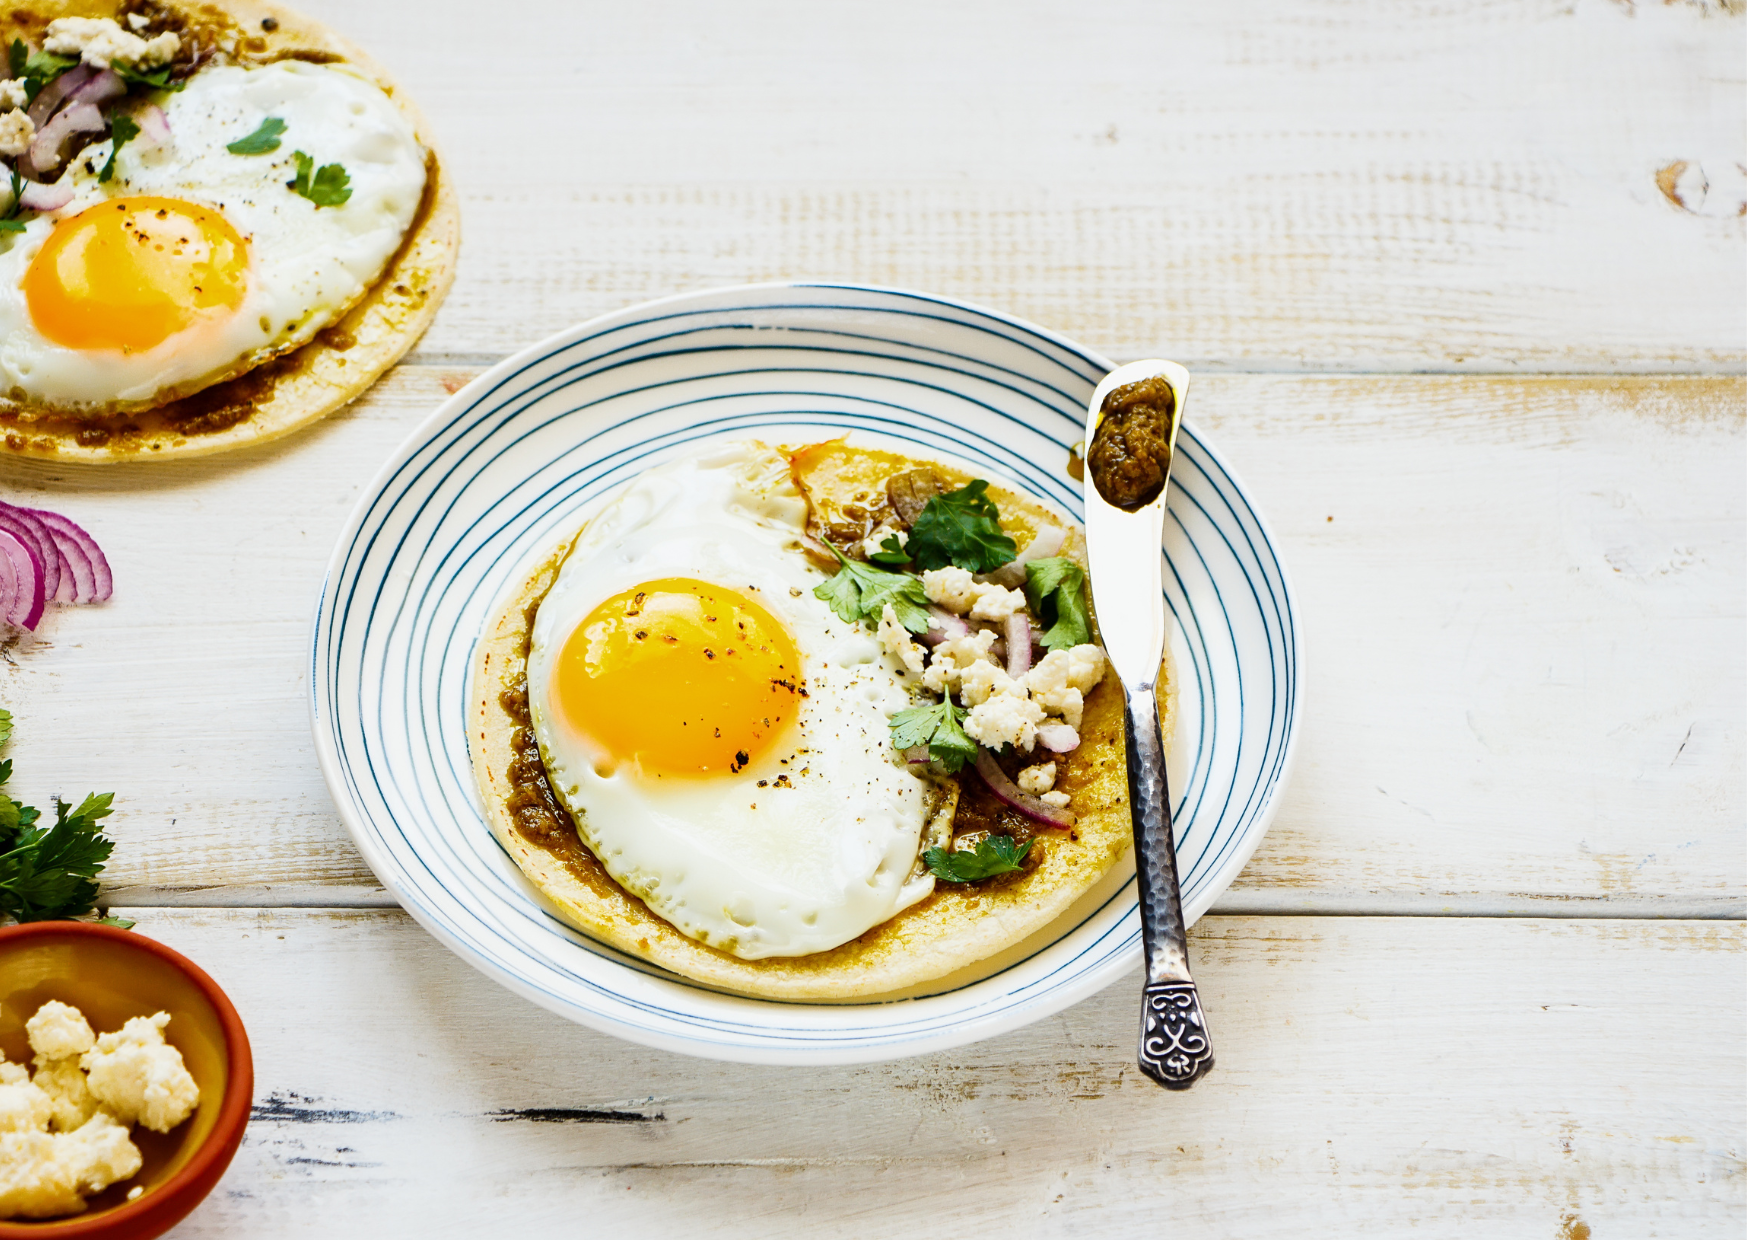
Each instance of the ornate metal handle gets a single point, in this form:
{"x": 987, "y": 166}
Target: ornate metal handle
{"x": 1174, "y": 1047}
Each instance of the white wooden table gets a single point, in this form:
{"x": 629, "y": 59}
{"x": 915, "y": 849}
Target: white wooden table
{"x": 1463, "y": 288}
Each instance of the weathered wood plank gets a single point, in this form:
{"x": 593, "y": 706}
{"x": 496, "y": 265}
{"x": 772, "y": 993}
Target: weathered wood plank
{"x": 1523, "y": 610}
{"x": 1374, "y": 1076}
{"x": 1311, "y": 187}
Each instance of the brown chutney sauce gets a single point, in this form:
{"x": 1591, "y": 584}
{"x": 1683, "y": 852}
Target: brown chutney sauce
{"x": 1129, "y": 456}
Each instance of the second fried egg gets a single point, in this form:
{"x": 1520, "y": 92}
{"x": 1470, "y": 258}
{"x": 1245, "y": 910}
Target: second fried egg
{"x": 719, "y": 735}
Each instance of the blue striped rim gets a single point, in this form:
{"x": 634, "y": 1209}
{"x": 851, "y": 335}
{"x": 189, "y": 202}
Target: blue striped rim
{"x": 503, "y": 466}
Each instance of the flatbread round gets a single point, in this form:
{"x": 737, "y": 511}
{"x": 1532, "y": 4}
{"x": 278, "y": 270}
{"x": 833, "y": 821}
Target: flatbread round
{"x": 956, "y": 926}
{"x": 346, "y": 357}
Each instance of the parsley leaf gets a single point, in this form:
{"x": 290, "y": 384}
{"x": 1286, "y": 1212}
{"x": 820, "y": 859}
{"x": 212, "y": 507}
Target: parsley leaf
{"x": 154, "y": 79}
{"x": 122, "y": 130}
{"x": 861, "y": 592}
{"x": 890, "y": 554}
{"x": 37, "y": 69}
{"x": 960, "y": 527}
{"x": 1056, "y": 589}
{"x": 937, "y": 726}
{"x": 327, "y": 186}
{"x": 5, "y": 735}
{"x": 994, "y": 854}
{"x": 264, "y": 139}
{"x": 51, "y": 872}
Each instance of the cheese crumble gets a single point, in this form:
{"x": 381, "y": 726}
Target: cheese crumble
{"x": 64, "y": 1131}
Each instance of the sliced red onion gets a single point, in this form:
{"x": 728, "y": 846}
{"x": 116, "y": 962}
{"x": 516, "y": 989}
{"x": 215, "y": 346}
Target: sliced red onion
{"x": 1058, "y": 737}
{"x": 21, "y": 592}
{"x": 49, "y": 97}
{"x": 1009, "y": 794}
{"x": 35, "y": 535}
{"x": 47, "y": 148}
{"x": 943, "y": 624}
{"x": 917, "y": 756}
{"x": 42, "y": 196}
{"x": 83, "y": 554}
{"x": 104, "y": 85}
{"x": 1019, "y": 640}
{"x": 154, "y": 125}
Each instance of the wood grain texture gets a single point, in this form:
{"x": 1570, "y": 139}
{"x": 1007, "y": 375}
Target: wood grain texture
{"x": 1332, "y": 186}
{"x": 1523, "y": 602}
{"x": 1375, "y": 1077}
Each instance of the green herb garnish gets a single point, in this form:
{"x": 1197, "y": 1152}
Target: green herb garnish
{"x": 264, "y": 139}
{"x": 9, "y": 222}
{"x": 327, "y": 186}
{"x": 960, "y": 527}
{"x": 37, "y": 69}
{"x": 860, "y": 592}
{"x": 938, "y": 726}
{"x": 1056, "y": 593}
{"x": 50, "y": 872}
{"x": 122, "y": 130}
{"x": 994, "y": 854}
{"x": 154, "y": 79}
{"x": 890, "y": 554}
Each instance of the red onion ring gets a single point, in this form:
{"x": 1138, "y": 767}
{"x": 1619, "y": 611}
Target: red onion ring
{"x": 1009, "y": 793}
{"x": 41, "y": 196}
{"x": 943, "y": 624}
{"x": 154, "y": 125}
{"x": 104, "y": 85}
{"x": 49, "y": 97}
{"x": 918, "y": 756}
{"x": 35, "y": 535}
{"x": 47, "y": 149}
{"x": 1058, "y": 737}
{"x": 1019, "y": 640}
{"x": 21, "y": 592}
{"x": 83, "y": 556}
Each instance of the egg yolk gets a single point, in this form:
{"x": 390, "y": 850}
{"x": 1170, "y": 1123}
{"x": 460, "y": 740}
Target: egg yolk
{"x": 130, "y": 273}
{"x": 679, "y": 677}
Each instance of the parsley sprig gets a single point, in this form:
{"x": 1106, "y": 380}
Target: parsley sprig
{"x": 861, "y": 592}
{"x": 10, "y": 223}
{"x": 122, "y": 129}
{"x": 994, "y": 854}
{"x": 47, "y": 873}
{"x": 1056, "y": 593}
{"x": 264, "y": 140}
{"x": 37, "y": 69}
{"x": 939, "y": 726}
{"x": 327, "y": 186}
{"x": 151, "y": 79}
{"x": 960, "y": 527}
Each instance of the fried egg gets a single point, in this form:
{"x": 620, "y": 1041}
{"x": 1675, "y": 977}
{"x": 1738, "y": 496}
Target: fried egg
{"x": 192, "y": 264}
{"x": 720, "y": 736}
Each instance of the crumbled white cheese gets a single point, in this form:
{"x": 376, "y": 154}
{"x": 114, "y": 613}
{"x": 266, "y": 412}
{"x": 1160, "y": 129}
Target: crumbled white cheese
{"x": 16, "y": 131}
{"x": 57, "y": 1031}
{"x": 34, "y": 1183}
{"x": 13, "y": 1073}
{"x": 995, "y": 603}
{"x": 140, "y": 1078}
{"x": 137, "y": 22}
{"x": 955, "y": 654}
{"x": 981, "y": 679}
{"x": 99, "y": 41}
{"x": 99, "y": 1152}
{"x": 1055, "y": 681}
{"x": 952, "y": 587}
{"x": 13, "y": 94}
{"x": 896, "y": 638}
{"x": 1037, "y": 780}
{"x": 63, "y": 1080}
{"x": 877, "y": 540}
{"x": 1058, "y": 800}
{"x": 24, "y": 1107}
{"x": 1005, "y": 719}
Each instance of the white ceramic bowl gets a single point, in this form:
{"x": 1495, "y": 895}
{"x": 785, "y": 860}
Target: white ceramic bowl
{"x": 504, "y": 468}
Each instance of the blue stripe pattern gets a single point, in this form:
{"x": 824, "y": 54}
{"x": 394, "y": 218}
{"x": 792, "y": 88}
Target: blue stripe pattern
{"x": 508, "y": 465}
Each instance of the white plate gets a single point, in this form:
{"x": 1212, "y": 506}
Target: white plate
{"x": 502, "y": 469}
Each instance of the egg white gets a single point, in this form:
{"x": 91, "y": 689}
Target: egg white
{"x": 307, "y": 265}
{"x": 758, "y": 872}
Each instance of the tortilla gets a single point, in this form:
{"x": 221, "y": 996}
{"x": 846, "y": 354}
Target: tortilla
{"x": 957, "y": 925}
{"x": 345, "y": 358}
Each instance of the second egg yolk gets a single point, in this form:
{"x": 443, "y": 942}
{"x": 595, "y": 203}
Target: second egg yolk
{"x": 130, "y": 273}
{"x": 679, "y": 677}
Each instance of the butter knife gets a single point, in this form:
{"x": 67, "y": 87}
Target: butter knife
{"x": 1125, "y": 518}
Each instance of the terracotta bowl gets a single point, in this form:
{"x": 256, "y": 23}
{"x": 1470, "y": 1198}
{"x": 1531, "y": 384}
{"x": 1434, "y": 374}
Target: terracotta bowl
{"x": 111, "y": 975}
